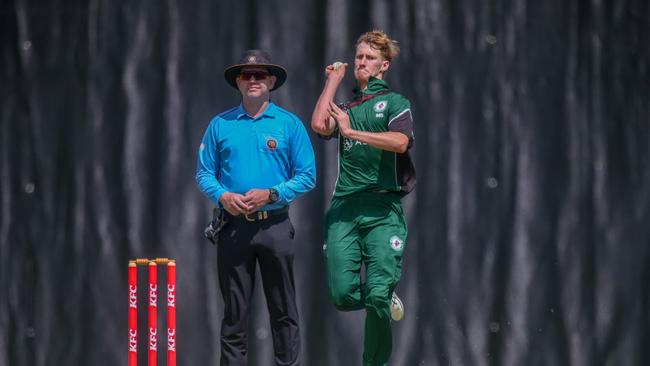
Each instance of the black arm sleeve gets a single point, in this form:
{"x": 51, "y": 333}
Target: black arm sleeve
{"x": 403, "y": 123}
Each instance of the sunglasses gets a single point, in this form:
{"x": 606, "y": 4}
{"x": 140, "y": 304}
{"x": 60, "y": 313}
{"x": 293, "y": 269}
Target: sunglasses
{"x": 258, "y": 75}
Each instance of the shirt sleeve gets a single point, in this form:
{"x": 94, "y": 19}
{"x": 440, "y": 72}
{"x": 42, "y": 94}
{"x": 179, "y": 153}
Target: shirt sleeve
{"x": 208, "y": 164}
{"x": 303, "y": 166}
{"x": 400, "y": 119}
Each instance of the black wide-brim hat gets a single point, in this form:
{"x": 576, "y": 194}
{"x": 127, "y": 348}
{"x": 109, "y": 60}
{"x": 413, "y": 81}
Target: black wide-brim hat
{"x": 256, "y": 58}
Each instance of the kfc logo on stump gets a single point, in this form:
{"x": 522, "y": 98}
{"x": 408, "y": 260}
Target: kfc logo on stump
{"x": 153, "y": 339}
{"x": 171, "y": 339}
{"x": 171, "y": 296}
{"x": 153, "y": 295}
{"x": 133, "y": 296}
{"x": 133, "y": 340}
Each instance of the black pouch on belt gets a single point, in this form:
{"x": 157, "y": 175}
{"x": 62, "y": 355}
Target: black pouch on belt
{"x": 211, "y": 231}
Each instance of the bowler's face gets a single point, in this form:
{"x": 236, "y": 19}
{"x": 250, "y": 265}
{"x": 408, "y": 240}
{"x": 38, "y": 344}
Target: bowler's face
{"x": 369, "y": 62}
{"x": 255, "y": 82}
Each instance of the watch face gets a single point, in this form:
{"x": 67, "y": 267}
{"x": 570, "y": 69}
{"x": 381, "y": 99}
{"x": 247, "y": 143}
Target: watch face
{"x": 273, "y": 195}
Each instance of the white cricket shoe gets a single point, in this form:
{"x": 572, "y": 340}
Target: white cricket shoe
{"x": 396, "y": 308}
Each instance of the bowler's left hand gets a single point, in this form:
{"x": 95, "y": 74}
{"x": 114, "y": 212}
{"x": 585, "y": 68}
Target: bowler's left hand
{"x": 255, "y": 199}
{"x": 341, "y": 118}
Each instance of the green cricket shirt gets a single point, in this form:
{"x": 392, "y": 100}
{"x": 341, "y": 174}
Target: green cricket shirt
{"x": 364, "y": 168}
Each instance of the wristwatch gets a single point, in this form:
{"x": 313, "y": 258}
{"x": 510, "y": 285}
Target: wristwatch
{"x": 273, "y": 195}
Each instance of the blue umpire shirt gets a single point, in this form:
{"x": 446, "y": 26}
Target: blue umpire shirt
{"x": 239, "y": 153}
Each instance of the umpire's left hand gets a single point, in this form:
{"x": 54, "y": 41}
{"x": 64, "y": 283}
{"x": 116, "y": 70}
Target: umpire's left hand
{"x": 255, "y": 199}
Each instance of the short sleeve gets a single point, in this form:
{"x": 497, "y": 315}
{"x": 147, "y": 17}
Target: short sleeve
{"x": 400, "y": 118}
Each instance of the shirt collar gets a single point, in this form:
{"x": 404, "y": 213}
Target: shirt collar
{"x": 268, "y": 112}
{"x": 374, "y": 86}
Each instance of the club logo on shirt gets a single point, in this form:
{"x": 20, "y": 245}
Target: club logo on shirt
{"x": 396, "y": 243}
{"x": 380, "y": 106}
{"x": 271, "y": 144}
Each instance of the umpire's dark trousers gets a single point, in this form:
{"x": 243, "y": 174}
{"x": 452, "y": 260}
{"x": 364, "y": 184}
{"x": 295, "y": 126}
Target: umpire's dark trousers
{"x": 269, "y": 242}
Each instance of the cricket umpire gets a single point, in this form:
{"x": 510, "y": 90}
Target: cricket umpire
{"x": 253, "y": 162}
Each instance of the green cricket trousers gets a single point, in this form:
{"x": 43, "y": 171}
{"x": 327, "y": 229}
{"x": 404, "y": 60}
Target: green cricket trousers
{"x": 368, "y": 229}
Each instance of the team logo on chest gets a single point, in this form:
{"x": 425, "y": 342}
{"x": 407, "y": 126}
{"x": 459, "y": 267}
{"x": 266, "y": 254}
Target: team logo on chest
{"x": 380, "y": 106}
{"x": 396, "y": 243}
{"x": 271, "y": 144}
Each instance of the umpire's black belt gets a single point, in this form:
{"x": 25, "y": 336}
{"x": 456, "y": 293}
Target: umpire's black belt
{"x": 261, "y": 215}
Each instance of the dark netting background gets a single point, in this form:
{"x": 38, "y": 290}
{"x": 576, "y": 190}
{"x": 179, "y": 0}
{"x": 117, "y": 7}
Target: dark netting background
{"x": 529, "y": 229}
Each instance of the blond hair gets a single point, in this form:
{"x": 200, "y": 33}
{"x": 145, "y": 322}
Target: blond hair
{"x": 380, "y": 41}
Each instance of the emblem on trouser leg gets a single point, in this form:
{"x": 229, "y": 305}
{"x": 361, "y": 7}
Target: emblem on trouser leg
{"x": 396, "y": 243}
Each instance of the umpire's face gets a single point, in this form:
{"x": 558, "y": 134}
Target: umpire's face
{"x": 255, "y": 82}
